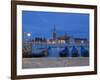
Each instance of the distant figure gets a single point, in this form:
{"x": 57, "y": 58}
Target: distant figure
{"x": 74, "y": 52}
{"x": 84, "y": 52}
{"x": 64, "y": 53}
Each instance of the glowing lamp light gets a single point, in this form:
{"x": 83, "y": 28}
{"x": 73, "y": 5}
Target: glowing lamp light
{"x": 28, "y": 34}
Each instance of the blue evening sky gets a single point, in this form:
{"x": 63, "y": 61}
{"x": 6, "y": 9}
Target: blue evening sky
{"x": 41, "y": 24}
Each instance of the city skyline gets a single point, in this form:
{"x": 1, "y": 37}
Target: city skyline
{"x": 41, "y": 24}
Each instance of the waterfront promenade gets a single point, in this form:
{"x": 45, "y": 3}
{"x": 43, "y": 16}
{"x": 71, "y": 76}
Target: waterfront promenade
{"x": 51, "y": 62}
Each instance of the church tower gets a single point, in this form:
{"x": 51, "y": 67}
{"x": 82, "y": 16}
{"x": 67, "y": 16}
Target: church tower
{"x": 54, "y": 33}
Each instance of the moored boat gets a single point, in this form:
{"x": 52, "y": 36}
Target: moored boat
{"x": 40, "y": 52}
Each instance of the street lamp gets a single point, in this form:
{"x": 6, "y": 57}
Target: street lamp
{"x": 29, "y": 42}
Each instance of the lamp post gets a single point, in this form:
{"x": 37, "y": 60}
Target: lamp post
{"x": 29, "y": 43}
{"x": 29, "y": 37}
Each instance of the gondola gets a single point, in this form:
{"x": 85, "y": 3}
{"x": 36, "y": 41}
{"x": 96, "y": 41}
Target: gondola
{"x": 64, "y": 53}
{"x": 74, "y": 52}
{"x": 84, "y": 52}
{"x": 40, "y": 52}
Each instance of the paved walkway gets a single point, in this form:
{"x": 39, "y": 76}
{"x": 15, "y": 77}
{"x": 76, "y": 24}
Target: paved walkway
{"x": 54, "y": 62}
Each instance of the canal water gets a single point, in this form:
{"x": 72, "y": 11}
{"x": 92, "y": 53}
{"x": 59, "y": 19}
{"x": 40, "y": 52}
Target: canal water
{"x": 54, "y": 52}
